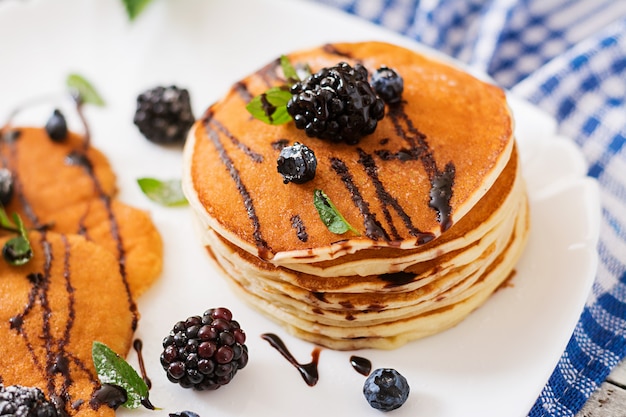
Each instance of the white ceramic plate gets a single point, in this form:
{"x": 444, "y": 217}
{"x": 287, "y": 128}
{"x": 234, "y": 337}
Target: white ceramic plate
{"x": 495, "y": 363}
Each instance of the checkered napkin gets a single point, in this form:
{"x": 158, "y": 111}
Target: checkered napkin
{"x": 569, "y": 58}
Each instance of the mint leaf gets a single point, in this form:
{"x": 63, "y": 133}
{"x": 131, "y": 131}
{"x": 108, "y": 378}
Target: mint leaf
{"x": 84, "y": 90}
{"x": 329, "y": 214}
{"x": 288, "y": 70}
{"x": 5, "y": 222}
{"x": 271, "y": 106}
{"x": 17, "y": 250}
{"x": 168, "y": 193}
{"x": 113, "y": 369}
{"x": 135, "y": 7}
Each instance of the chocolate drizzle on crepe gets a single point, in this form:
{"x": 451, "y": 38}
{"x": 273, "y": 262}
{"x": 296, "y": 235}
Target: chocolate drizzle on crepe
{"x": 78, "y": 158}
{"x": 57, "y": 358}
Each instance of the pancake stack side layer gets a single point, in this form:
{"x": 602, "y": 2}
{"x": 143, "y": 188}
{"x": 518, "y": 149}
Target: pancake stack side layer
{"x": 416, "y": 265}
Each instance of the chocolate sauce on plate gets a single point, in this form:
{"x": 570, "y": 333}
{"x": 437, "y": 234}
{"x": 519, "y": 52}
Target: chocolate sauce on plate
{"x": 361, "y": 365}
{"x": 308, "y": 371}
{"x": 138, "y": 346}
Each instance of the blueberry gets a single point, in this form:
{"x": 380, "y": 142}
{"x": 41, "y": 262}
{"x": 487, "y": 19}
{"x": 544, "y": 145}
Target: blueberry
{"x": 297, "y": 163}
{"x": 185, "y": 413}
{"x": 385, "y": 389}
{"x": 388, "y": 84}
{"x": 56, "y": 127}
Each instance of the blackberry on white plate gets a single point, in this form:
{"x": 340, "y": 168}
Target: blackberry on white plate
{"x": 205, "y": 352}
{"x": 164, "y": 114}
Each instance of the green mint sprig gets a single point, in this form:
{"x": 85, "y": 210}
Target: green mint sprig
{"x": 135, "y": 7}
{"x": 83, "y": 90}
{"x": 330, "y": 216}
{"x": 271, "y": 106}
{"x": 17, "y": 250}
{"x": 167, "y": 193}
{"x": 113, "y": 369}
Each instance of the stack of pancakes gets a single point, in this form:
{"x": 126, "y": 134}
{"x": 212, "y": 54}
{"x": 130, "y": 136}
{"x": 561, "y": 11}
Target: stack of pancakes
{"x": 435, "y": 195}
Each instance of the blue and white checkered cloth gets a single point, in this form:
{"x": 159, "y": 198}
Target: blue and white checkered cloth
{"x": 569, "y": 58}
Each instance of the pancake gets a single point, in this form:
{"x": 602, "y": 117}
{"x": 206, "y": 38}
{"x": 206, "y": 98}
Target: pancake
{"x": 447, "y": 119}
{"x": 71, "y": 190}
{"x": 416, "y": 264}
{"x": 383, "y": 319}
{"x": 51, "y": 312}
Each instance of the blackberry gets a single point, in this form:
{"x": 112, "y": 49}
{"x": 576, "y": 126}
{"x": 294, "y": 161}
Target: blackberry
{"x": 19, "y": 401}
{"x": 385, "y": 389}
{"x": 205, "y": 352}
{"x": 336, "y": 104}
{"x": 297, "y": 163}
{"x": 6, "y": 186}
{"x": 388, "y": 84}
{"x": 56, "y": 126}
{"x": 164, "y": 114}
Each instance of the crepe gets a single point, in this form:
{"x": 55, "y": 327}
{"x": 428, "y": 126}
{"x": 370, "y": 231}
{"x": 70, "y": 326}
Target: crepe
{"x": 417, "y": 264}
{"x": 93, "y": 256}
{"x": 50, "y": 314}
{"x": 71, "y": 189}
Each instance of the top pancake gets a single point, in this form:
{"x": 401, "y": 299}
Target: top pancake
{"x": 448, "y": 121}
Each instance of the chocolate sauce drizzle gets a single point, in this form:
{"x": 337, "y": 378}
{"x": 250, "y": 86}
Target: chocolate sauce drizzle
{"x": 332, "y": 49}
{"x": 57, "y": 360}
{"x": 442, "y": 182}
{"x": 138, "y": 346}
{"x": 361, "y": 365}
{"x": 268, "y": 108}
{"x": 397, "y": 279}
{"x": 242, "y": 91}
{"x": 441, "y": 193}
{"x": 308, "y": 371}
{"x": 81, "y": 159}
{"x": 214, "y": 137}
{"x": 298, "y": 225}
{"x": 279, "y": 144}
{"x": 387, "y": 200}
{"x": 254, "y": 156}
{"x": 373, "y": 228}
{"x": 270, "y": 74}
